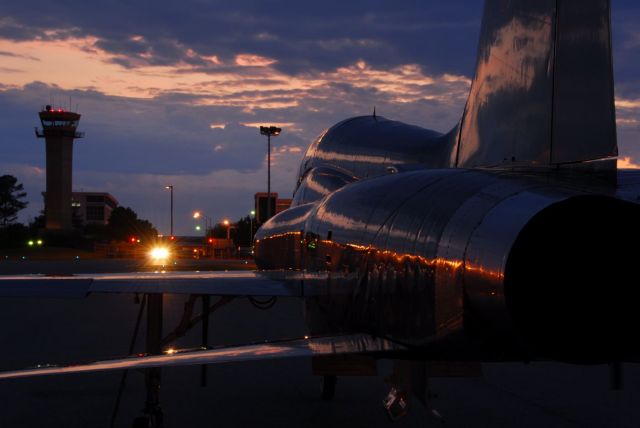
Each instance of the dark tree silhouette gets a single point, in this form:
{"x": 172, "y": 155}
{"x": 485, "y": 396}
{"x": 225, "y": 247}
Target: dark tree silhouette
{"x": 39, "y": 222}
{"x": 124, "y": 224}
{"x": 240, "y": 232}
{"x": 11, "y": 195}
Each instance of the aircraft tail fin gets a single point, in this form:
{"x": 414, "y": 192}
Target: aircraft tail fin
{"x": 543, "y": 89}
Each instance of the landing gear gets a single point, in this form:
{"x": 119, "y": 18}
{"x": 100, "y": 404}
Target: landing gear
{"x": 409, "y": 379}
{"x": 332, "y": 366}
{"x": 328, "y": 387}
{"x": 396, "y": 404}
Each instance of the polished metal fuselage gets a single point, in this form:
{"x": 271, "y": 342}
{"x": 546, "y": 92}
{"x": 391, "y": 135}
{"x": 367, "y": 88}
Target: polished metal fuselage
{"x": 496, "y": 240}
{"x": 423, "y": 256}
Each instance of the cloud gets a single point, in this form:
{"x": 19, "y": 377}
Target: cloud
{"x": 628, "y": 124}
{"x": 627, "y": 112}
{"x": 248, "y": 60}
{"x": 300, "y": 36}
{"x": 627, "y": 104}
{"x": 84, "y": 63}
{"x": 78, "y": 63}
{"x": 207, "y": 142}
{"x": 627, "y": 163}
{"x": 16, "y": 55}
{"x": 174, "y": 93}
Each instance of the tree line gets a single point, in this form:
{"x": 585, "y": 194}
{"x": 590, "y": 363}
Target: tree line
{"x": 122, "y": 224}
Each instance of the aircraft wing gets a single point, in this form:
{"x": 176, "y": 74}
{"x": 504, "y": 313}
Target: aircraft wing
{"x": 308, "y": 347}
{"x": 228, "y": 283}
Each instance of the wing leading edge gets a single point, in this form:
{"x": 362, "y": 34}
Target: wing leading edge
{"x": 335, "y": 345}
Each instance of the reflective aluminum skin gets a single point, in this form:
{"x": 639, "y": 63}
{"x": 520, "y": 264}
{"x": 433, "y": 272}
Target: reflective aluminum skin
{"x": 499, "y": 240}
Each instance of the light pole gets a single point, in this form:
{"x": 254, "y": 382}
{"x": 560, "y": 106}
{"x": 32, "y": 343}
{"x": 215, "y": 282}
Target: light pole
{"x": 207, "y": 221}
{"x": 207, "y": 234}
{"x": 251, "y": 214}
{"x": 269, "y": 131}
{"x": 170, "y": 187}
{"x": 228, "y": 224}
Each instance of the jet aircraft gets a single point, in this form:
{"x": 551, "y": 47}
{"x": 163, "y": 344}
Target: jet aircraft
{"x": 497, "y": 241}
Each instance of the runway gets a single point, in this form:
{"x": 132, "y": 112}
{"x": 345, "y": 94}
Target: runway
{"x": 272, "y": 393}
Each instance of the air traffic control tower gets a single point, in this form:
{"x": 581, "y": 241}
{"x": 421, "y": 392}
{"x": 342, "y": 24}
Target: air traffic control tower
{"x": 59, "y": 131}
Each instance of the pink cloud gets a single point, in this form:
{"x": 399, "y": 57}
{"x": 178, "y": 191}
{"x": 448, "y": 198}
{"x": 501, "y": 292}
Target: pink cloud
{"x": 249, "y": 60}
{"x": 627, "y": 162}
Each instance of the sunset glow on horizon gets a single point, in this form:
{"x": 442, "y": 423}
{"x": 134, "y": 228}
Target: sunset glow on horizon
{"x": 183, "y": 97}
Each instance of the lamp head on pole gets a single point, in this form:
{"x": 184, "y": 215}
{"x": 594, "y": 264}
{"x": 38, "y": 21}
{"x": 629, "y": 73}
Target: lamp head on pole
{"x": 273, "y": 131}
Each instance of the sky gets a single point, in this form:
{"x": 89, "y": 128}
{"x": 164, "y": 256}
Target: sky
{"x": 172, "y": 93}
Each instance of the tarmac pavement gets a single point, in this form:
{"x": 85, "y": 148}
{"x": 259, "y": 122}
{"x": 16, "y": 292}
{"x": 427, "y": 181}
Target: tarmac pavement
{"x": 270, "y": 393}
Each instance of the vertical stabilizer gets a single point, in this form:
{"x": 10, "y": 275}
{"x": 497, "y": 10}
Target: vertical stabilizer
{"x": 543, "y": 89}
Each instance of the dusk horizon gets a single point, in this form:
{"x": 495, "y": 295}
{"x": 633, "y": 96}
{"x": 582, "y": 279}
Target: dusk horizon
{"x": 175, "y": 95}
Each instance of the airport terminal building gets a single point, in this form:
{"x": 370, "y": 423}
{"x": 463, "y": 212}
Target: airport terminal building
{"x": 91, "y": 207}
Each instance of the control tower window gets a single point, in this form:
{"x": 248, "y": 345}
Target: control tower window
{"x": 48, "y": 123}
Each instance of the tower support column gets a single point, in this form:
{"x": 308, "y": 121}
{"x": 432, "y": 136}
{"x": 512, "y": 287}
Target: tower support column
{"x": 59, "y": 131}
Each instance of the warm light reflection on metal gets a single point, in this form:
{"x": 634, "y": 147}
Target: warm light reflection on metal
{"x": 358, "y": 247}
{"x": 280, "y": 235}
{"x": 484, "y": 272}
